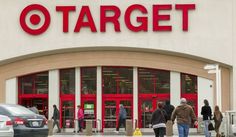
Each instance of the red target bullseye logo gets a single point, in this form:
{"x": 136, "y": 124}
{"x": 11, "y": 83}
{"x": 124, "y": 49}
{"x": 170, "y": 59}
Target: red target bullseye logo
{"x": 35, "y": 19}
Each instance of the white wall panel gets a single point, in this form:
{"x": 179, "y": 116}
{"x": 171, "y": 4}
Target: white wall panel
{"x": 210, "y": 29}
{"x": 175, "y": 88}
{"x": 12, "y": 91}
{"x": 53, "y": 93}
{"x": 205, "y": 91}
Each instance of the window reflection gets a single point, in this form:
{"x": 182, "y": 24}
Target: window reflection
{"x": 34, "y": 83}
{"x": 117, "y": 80}
{"x": 89, "y": 80}
{"x": 67, "y": 81}
{"x": 153, "y": 81}
{"x": 189, "y": 83}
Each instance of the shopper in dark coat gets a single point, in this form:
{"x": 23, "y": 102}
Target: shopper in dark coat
{"x": 122, "y": 117}
{"x": 158, "y": 121}
{"x": 56, "y": 117}
{"x": 207, "y": 114}
{"x": 169, "y": 109}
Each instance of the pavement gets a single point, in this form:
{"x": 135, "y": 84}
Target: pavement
{"x": 115, "y": 136}
{"x": 122, "y": 134}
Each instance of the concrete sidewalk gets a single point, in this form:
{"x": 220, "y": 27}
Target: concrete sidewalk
{"x": 115, "y": 136}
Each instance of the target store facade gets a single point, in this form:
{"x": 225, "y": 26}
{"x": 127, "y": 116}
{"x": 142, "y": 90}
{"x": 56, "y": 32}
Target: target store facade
{"x": 102, "y": 54}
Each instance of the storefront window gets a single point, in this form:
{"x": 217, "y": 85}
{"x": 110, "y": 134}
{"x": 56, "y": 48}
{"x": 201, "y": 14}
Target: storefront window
{"x": 117, "y": 80}
{"x": 153, "y": 81}
{"x": 34, "y": 83}
{"x": 67, "y": 81}
{"x": 188, "y": 84}
{"x": 88, "y": 80}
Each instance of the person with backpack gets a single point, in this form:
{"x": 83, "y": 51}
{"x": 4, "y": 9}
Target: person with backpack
{"x": 217, "y": 119}
{"x": 158, "y": 121}
{"x": 122, "y": 118}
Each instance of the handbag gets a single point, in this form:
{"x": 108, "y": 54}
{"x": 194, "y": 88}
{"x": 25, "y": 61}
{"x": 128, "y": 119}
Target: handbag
{"x": 211, "y": 127}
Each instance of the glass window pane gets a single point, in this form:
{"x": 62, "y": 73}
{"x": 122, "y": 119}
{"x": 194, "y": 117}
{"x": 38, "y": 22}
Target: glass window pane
{"x": 41, "y": 83}
{"x": 34, "y": 83}
{"x": 189, "y": 83}
{"x": 67, "y": 81}
{"x": 89, "y": 80}
{"x": 26, "y": 83}
{"x": 117, "y": 80}
{"x": 153, "y": 81}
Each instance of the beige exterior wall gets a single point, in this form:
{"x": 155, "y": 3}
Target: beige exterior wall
{"x": 111, "y": 58}
{"x": 225, "y": 81}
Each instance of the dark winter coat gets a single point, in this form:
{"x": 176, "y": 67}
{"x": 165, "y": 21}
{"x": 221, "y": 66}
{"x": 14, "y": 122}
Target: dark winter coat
{"x": 169, "y": 109}
{"x": 158, "y": 116}
{"x": 206, "y": 112}
{"x": 56, "y": 114}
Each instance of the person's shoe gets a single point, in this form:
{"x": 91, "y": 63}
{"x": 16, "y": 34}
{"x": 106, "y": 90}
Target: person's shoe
{"x": 116, "y": 131}
{"x": 59, "y": 131}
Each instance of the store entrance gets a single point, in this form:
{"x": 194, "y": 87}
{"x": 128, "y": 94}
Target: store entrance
{"x": 40, "y": 103}
{"x": 111, "y": 111}
{"x": 146, "y": 105}
{"x": 67, "y": 115}
{"x": 89, "y": 107}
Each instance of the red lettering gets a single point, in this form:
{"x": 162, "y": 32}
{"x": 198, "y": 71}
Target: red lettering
{"x": 185, "y": 8}
{"x": 65, "y": 12}
{"x": 114, "y": 19}
{"x": 85, "y": 11}
{"x": 142, "y": 20}
{"x": 157, "y": 17}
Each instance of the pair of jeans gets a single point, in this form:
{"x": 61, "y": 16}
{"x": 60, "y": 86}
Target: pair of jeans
{"x": 160, "y": 132}
{"x": 206, "y": 131}
{"x": 183, "y": 130}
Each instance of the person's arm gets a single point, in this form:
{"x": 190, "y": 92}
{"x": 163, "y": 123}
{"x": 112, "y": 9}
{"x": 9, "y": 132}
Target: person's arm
{"x": 152, "y": 118}
{"x": 202, "y": 113}
{"x": 193, "y": 116}
{"x": 210, "y": 114}
{"x": 173, "y": 115}
{"x": 221, "y": 116}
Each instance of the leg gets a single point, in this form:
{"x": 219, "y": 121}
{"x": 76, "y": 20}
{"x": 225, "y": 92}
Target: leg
{"x": 80, "y": 125}
{"x": 186, "y": 130}
{"x": 54, "y": 123}
{"x": 206, "y": 131}
{"x": 58, "y": 127}
{"x": 217, "y": 126}
{"x": 119, "y": 124}
{"x": 181, "y": 130}
{"x": 124, "y": 122}
{"x": 156, "y": 130}
{"x": 162, "y": 131}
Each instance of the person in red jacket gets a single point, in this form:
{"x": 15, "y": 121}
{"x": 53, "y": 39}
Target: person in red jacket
{"x": 80, "y": 115}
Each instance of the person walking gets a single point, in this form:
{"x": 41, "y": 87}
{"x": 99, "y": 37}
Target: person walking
{"x": 184, "y": 114}
{"x": 169, "y": 126}
{"x": 169, "y": 109}
{"x": 80, "y": 114}
{"x": 218, "y": 117}
{"x": 55, "y": 118}
{"x": 158, "y": 121}
{"x": 122, "y": 118}
{"x": 207, "y": 114}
